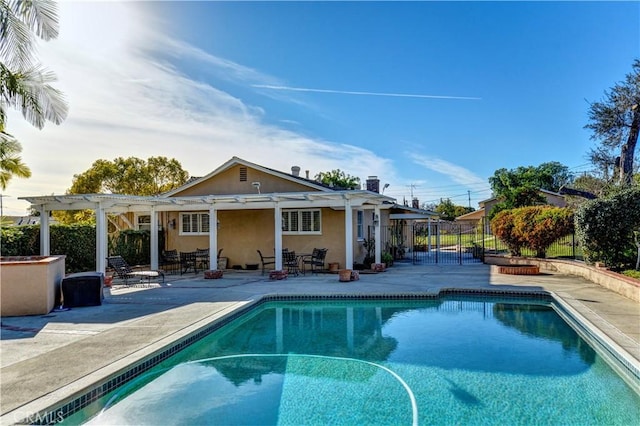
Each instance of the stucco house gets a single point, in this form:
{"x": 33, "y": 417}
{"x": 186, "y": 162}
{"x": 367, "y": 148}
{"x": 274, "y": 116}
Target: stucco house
{"x": 241, "y": 207}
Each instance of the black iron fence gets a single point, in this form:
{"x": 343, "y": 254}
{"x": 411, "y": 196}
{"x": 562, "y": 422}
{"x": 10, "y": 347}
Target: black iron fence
{"x": 446, "y": 242}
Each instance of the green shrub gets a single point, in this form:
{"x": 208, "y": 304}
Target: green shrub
{"x": 78, "y": 244}
{"x": 632, "y": 273}
{"x": 604, "y": 228}
{"x": 503, "y": 227}
{"x": 533, "y": 227}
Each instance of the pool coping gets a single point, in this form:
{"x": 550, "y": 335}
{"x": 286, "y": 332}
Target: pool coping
{"x": 77, "y": 395}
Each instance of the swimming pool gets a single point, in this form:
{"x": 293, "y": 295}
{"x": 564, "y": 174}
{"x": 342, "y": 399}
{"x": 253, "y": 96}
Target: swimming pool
{"x": 450, "y": 360}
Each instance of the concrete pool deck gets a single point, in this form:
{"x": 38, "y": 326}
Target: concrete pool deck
{"x": 48, "y": 358}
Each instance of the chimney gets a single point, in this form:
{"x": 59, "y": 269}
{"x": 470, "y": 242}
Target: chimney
{"x": 415, "y": 203}
{"x": 295, "y": 170}
{"x": 373, "y": 184}
{"x": 307, "y": 173}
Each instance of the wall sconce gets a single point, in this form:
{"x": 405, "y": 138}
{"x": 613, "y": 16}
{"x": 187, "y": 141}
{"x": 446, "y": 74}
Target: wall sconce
{"x": 172, "y": 224}
{"x": 376, "y": 220}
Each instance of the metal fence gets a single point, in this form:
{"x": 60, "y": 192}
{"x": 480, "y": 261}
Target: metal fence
{"x": 445, "y": 242}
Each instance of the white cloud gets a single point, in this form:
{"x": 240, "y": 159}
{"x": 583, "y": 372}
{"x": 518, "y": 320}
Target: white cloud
{"x": 125, "y": 102}
{"x": 454, "y": 172}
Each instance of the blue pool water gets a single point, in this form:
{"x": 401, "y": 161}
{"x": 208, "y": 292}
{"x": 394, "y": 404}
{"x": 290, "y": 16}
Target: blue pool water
{"x": 443, "y": 361}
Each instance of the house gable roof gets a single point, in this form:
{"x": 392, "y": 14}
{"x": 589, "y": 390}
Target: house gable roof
{"x": 236, "y": 161}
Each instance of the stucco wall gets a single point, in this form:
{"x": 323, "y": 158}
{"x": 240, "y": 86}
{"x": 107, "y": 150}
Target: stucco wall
{"x": 625, "y": 286}
{"x": 228, "y": 182}
{"x": 28, "y": 285}
{"x": 243, "y": 232}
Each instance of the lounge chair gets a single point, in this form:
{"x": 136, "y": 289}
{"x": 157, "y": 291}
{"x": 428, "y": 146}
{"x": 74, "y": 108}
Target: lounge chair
{"x": 266, "y": 260}
{"x": 123, "y": 271}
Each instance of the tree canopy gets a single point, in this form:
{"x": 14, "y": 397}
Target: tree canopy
{"x": 615, "y": 122}
{"x": 338, "y": 179}
{"x": 521, "y": 187}
{"x": 130, "y": 176}
{"x": 449, "y": 211}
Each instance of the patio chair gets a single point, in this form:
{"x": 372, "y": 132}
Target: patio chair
{"x": 315, "y": 261}
{"x": 170, "y": 261}
{"x": 188, "y": 260}
{"x": 290, "y": 261}
{"x": 125, "y": 272}
{"x": 202, "y": 257}
{"x": 266, "y": 260}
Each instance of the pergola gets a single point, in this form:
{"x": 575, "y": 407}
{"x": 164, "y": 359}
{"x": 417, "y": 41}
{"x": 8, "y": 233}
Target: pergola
{"x": 104, "y": 204}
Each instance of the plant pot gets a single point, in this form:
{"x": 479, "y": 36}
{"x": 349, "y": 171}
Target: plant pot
{"x": 334, "y": 267}
{"x": 108, "y": 281}
{"x": 345, "y": 275}
{"x": 213, "y": 274}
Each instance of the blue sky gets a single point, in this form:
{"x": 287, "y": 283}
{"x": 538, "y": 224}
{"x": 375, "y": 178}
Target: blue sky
{"x": 431, "y": 97}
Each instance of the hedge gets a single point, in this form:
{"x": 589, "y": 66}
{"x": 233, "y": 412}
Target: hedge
{"x": 605, "y": 228}
{"x": 533, "y": 227}
{"x": 78, "y": 243}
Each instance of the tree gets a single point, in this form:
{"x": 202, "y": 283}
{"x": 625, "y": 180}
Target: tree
{"x": 24, "y": 85}
{"x": 449, "y": 211}
{"x": 615, "y": 121}
{"x": 130, "y": 176}
{"x": 127, "y": 176}
{"x": 338, "y": 179}
{"x": 521, "y": 186}
{"x": 10, "y": 162}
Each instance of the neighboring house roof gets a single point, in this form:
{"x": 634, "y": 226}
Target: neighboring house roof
{"x": 21, "y": 220}
{"x": 399, "y": 211}
{"x": 312, "y": 184}
{"x": 474, "y": 215}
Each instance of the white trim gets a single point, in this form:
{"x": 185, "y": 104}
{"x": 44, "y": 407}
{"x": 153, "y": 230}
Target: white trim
{"x": 199, "y": 215}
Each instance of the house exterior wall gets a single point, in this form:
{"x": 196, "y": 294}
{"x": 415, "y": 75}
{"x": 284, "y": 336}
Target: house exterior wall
{"x": 228, "y": 182}
{"x": 243, "y": 232}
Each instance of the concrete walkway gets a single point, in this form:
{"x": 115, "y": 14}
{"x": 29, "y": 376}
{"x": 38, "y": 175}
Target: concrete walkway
{"x": 46, "y": 359}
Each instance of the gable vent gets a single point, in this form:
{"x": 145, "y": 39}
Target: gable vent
{"x": 243, "y": 174}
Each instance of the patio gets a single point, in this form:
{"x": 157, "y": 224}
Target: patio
{"x": 48, "y": 358}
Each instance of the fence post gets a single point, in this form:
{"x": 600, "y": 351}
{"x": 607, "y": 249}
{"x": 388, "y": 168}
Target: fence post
{"x": 460, "y": 244}
{"x": 573, "y": 245}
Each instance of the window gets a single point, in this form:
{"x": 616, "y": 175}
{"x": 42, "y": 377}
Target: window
{"x": 143, "y": 222}
{"x": 301, "y": 222}
{"x": 360, "y": 225}
{"x": 194, "y": 223}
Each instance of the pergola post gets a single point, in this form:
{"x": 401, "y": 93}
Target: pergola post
{"x": 213, "y": 238}
{"x": 348, "y": 234}
{"x": 101, "y": 239}
{"x": 45, "y": 232}
{"x": 376, "y": 234}
{"x": 277, "y": 222}
{"x": 154, "y": 239}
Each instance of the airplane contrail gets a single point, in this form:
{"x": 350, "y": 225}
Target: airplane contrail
{"x": 349, "y": 92}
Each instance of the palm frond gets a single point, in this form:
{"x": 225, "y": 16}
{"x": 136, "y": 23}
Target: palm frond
{"x": 16, "y": 39}
{"x": 30, "y": 92}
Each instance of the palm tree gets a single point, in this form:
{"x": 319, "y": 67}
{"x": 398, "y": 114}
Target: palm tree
{"x": 23, "y": 84}
{"x": 10, "y": 162}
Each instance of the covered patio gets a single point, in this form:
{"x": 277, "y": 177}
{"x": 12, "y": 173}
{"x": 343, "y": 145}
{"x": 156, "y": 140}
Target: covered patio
{"x": 114, "y": 204}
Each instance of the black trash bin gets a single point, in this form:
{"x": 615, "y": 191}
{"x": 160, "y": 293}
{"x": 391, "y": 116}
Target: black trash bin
{"x": 82, "y": 289}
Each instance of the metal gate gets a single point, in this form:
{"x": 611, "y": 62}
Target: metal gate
{"x": 441, "y": 242}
